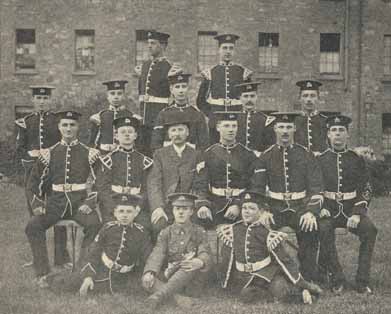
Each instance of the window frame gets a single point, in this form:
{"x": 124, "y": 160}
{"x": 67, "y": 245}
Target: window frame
{"x": 211, "y": 34}
{"x": 340, "y": 56}
{"x": 78, "y": 33}
{"x": 35, "y": 55}
{"x": 274, "y": 69}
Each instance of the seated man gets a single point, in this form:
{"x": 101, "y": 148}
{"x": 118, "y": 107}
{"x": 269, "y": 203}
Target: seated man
{"x": 184, "y": 246}
{"x": 118, "y": 250}
{"x": 347, "y": 193}
{"x": 259, "y": 263}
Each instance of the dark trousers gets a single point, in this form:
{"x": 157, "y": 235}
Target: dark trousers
{"x": 328, "y": 257}
{"x": 308, "y": 243}
{"x": 36, "y": 234}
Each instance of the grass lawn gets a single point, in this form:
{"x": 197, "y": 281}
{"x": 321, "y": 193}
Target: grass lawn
{"x": 19, "y": 295}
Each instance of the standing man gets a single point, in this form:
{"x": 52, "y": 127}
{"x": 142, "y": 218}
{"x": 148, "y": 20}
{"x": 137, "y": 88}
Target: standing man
{"x": 102, "y": 132}
{"x": 311, "y": 131}
{"x": 177, "y": 168}
{"x": 218, "y": 88}
{"x": 124, "y": 171}
{"x": 254, "y": 130}
{"x": 198, "y": 128}
{"x": 153, "y": 86}
{"x": 38, "y": 131}
{"x": 58, "y": 183}
{"x": 291, "y": 177}
{"x": 347, "y": 193}
{"x": 230, "y": 167}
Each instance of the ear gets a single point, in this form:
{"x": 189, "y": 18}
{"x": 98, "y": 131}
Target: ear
{"x": 138, "y": 209}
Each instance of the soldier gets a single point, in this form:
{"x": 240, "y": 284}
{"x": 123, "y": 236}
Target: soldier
{"x": 102, "y": 132}
{"x": 120, "y": 248}
{"x": 153, "y": 86}
{"x": 259, "y": 263}
{"x": 181, "y": 257}
{"x": 254, "y": 130}
{"x": 218, "y": 91}
{"x": 230, "y": 167}
{"x": 294, "y": 182}
{"x": 347, "y": 193}
{"x": 311, "y": 129}
{"x": 177, "y": 168}
{"x": 198, "y": 128}
{"x": 38, "y": 131}
{"x": 58, "y": 182}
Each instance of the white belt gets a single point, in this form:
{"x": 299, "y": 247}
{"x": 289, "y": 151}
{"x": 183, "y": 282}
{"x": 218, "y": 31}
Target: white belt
{"x": 223, "y": 101}
{"x": 289, "y": 196}
{"x": 149, "y": 98}
{"x": 114, "y": 266}
{"x": 108, "y": 147}
{"x": 339, "y": 196}
{"x": 125, "y": 189}
{"x": 226, "y": 192}
{"x": 34, "y": 153}
{"x": 69, "y": 187}
{"x": 253, "y": 267}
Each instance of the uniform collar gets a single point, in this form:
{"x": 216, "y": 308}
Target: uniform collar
{"x": 73, "y": 143}
{"x": 249, "y": 110}
{"x": 282, "y": 147}
{"x": 312, "y": 114}
{"x": 339, "y": 151}
{"x": 179, "y": 150}
{"x": 123, "y": 149}
{"x": 112, "y": 108}
{"x": 226, "y": 63}
{"x": 159, "y": 59}
{"x": 178, "y": 228}
{"x": 180, "y": 106}
{"x": 231, "y": 146}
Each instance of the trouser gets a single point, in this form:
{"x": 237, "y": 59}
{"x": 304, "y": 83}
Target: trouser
{"x": 328, "y": 256}
{"x": 36, "y": 234}
{"x": 61, "y": 255}
{"x": 307, "y": 241}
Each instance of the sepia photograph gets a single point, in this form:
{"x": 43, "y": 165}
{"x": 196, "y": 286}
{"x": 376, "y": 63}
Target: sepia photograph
{"x": 195, "y": 156}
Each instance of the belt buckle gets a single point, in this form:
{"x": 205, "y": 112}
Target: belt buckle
{"x": 67, "y": 187}
{"x": 248, "y": 268}
{"x": 287, "y": 196}
{"x": 146, "y": 98}
{"x": 228, "y": 192}
{"x": 338, "y": 196}
{"x": 227, "y": 102}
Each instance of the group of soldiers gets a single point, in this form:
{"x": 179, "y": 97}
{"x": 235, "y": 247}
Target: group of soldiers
{"x": 162, "y": 180}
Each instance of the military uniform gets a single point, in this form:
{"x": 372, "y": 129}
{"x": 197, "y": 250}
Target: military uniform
{"x": 346, "y": 192}
{"x": 116, "y": 256}
{"x": 292, "y": 179}
{"x": 58, "y": 182}
{"x": 311, "y": 131}
{"x": 122, "y": 172}
{"x": 175, "y": 244}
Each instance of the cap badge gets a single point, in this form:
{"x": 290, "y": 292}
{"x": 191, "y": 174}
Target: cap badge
{"x": 124, "y": 198}
{"x": 69, "y": 114}
{"x": 149, "y": 34}
{"x": 42, "y": 90}
{"x": 228, "y": 37}
{"x": 309, "y": 84}
{"x": 247, "y": 196}
{"x": 181, "y": 198}
{"x": 285, "y": 117}
{"x": 116, "y": 84}
{"x": 127, "y": 120}
{"x": 337, "y": 120}
{"x": 231, "y": 116}
{"x": 180, "y": 77}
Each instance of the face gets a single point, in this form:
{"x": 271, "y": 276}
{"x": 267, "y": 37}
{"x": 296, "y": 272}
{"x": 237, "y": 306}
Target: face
{"x": 309, "y": 99}
{"x": 126, "y": 135}
{"x": 126, "y": 214}
{"x": 226, "y": 51}
{"x": 155, "y": 47}
{"x": 338, "y": 136}
{"x": 69, "y": 129}
{"x": 182, "y": 214}
{"x": 178, "y": 133}
{"x": 179, "y": 91}
{"x": 227, "y": 130}
{"x": 250, "y": 212}
{"x": 115, "y": 97}
{"x": 249, "y": 99}
{"x": 41, "y": 102}
{"x": 285, "y": 132}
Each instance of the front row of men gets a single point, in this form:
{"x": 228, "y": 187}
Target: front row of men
{"x": 311, "y": 195}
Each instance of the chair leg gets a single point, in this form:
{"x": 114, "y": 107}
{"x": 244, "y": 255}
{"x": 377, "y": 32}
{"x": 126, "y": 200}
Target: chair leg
{"x": 74, "y": 234}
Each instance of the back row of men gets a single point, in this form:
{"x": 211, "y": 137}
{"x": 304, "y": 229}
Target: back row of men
{"x": 313, "y": 195}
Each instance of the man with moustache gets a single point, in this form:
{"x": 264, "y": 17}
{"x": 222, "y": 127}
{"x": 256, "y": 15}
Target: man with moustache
{"x": 291, "y": 177}
{"x": 254, "y": 127}
{"x": 347, "y": 194}
{"x": 102, "y": 132}
{"x": 198, "y": 128}
{"x": 311, "y": 131}
{"x": 38, "y": 131}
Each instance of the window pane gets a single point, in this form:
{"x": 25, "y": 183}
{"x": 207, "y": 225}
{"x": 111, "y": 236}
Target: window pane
{"x": 268, "y": 52}
{"x": 330, "y": 53}
{"x": 85, "y": 50}
{"x": 207, "y": 50}
{"x": 330, "y": 42}
{"x": 141, "y": 47}
{"x": 25, "y": 54}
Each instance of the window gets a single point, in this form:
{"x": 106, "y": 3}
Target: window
{"x": 330, "y": 53}
{"x": 386, "y": 127}
{"x": 387, "y": 54}
{"x": 207, "y": 50}
{"x": 268, "y": 52}
{"x": 142, "y": 53}
{"x": 84, "y": 50}
{"x": 25, "y": 54}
